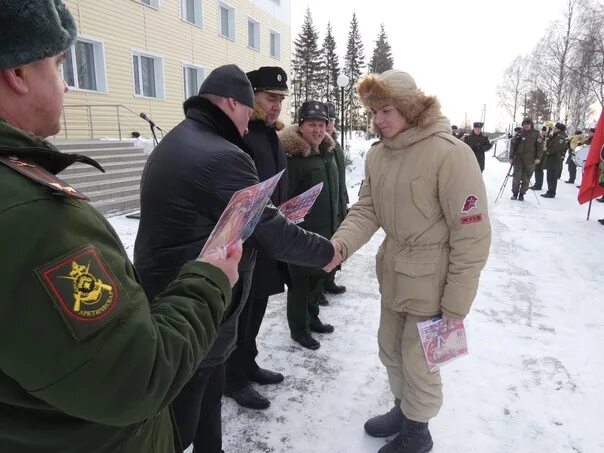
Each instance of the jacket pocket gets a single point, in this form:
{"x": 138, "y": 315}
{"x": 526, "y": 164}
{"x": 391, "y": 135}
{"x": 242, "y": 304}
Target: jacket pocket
{"x": 419, "y": 192}
{"x": 416, "y": 282}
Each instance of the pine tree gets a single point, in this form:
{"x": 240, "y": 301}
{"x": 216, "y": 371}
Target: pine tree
{"x": 331, "y": 68}
{"x": 306, "y": 63}
{"x": 382, "y": 54}
{"x": 354, "y": 62}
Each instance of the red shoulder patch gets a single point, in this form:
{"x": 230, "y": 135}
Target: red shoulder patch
{"x": 471, "y": 219}
{"x": 83, "y": 289}
{"x": 470, "y": 203}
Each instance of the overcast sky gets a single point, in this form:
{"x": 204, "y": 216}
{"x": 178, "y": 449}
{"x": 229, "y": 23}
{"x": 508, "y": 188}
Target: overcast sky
{"x": 456, "y": 50}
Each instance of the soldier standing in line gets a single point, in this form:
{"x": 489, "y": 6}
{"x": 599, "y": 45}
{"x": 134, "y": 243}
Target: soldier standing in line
{"x": 544, "y": 137}
{"x": 556, "y": 147}
{"x": 456, "y": 132}
{"x": 525, "y": 153}
{"x": 479, "y": 143}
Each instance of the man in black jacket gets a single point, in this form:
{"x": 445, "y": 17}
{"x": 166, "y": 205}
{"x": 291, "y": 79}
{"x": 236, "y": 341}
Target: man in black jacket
{"x": 479, "y": 143}
{"x": 187, "y": 182}
{"x": 265, "y": 148}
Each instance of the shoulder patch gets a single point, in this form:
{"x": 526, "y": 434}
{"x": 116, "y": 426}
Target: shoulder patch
{"x": 84, "y": 290}
{"x": 42, "y": 176}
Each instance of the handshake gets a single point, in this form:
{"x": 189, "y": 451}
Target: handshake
{"x": 337, "y": 257}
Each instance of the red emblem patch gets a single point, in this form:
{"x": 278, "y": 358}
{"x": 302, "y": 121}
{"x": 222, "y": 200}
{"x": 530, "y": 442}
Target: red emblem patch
{"x": 84, "y": 289}
{"x": 471, "y": 219}
{"x": 470, "y": 203}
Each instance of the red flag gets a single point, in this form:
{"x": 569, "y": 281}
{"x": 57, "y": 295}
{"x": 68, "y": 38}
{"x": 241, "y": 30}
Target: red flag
{"x": 590, "y": 188}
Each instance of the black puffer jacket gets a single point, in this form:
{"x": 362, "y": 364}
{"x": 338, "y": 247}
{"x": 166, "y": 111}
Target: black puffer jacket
{"x": 187, "y": 182}
{"x": 268, "y": 154}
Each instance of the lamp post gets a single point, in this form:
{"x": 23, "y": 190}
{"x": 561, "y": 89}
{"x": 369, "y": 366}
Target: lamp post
{"x": 342, "y": 82}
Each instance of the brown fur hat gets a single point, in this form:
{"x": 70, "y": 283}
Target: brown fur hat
{"x": 399, "y": 88}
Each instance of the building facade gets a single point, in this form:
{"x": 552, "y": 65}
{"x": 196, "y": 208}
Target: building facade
{"x": 134, "y": 56}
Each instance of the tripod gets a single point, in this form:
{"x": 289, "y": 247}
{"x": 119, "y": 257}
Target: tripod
{"x": 507, "y": 177}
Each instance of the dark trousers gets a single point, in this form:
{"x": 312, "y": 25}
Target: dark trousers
{"x": 552, "y": 180}
{"x": 538, "y": 176}
{"x": 242, "y": 362}
{"x": 198, "y": 410}
{"x": 303, "y": 298}
{"x": 572, "y": 170}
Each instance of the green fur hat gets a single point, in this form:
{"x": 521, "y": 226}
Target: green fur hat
{"x": 31, "y": 30}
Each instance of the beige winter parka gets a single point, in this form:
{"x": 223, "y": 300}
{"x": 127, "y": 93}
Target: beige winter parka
{"x": 425, "y": 189}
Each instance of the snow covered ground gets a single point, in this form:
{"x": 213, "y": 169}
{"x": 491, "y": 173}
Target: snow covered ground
{"x": 531, "y": 382}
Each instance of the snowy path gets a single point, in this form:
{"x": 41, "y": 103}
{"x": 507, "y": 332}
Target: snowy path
{"x": 530, "y": 384}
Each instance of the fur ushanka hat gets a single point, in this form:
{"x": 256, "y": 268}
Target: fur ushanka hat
{"x": 399, "y": 88}
{"x": 31, "y": 30}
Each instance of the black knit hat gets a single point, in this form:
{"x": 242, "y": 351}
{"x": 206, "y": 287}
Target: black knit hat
{"x": 230, "y": 82}
{"x": 313, "y": 110}
{"x": 478, "y": 124}
{"x": 560, "y": 126}
{"x": 527, "y": 121}
{"x": 31, "y": 30}
{"x": 331, "y": 110}
{"x": 271, "y": 79}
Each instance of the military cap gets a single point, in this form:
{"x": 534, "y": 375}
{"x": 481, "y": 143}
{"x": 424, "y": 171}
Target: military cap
{"x": 33, "y": 30}
{"x": 454, "y": 127}
{"x": 478, "y": 124}
{"x": 230, "y": 82}
{"x": 560, "y": 126}
{"x": 313, "y": 110}
{"x": 271, "y": 79}
{"x": 331, "y": 110}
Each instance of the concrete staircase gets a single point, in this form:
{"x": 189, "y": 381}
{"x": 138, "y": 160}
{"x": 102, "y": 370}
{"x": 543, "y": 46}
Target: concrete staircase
{"x": 118, "y": 189}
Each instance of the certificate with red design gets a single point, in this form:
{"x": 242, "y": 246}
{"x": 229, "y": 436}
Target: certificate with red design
{"x": 441, "y": 344}
{"x": 296, "y": 209}
{"x": 241, "y": 215}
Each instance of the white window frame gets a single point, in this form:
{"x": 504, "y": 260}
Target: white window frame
{"x": 256, "y": 24}
{"x": 100, "y": 70}
{"x": 198, "y": 12}
{"x": 152, "y": 3}
{"x": 158, "y": 61}
{"x": 232, "y": 20}
{"x": 277, "y": 55}
{"x": 185, "y": 75}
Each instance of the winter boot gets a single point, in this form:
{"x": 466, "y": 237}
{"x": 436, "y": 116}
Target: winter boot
{"x": 413, "y": 438}
{"x": 521, "y": 197}
{"x": 266, "y": 377}
{"x": 323, "y": 302}
{"x": 514, "y": 196}
{"x": 248, "y": 397}
{"x": 548, "y": 195}
{"x": 306, "y": 340}
{"x": 333, "y": 288}
{"x": 387, "y": 424}
{"x": 319, "y": 327}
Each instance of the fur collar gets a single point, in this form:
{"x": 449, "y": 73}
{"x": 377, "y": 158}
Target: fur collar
{"x": 296, "y": 146}
{"x": 260, "y": 115}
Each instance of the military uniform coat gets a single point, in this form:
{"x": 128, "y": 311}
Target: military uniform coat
{"x": 479, "y": 144}
{"x": 86, "y": 363}
{"x": 556, "y": 148}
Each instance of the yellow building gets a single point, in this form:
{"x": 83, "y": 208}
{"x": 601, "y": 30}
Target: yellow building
{"x": 148, "y": 56}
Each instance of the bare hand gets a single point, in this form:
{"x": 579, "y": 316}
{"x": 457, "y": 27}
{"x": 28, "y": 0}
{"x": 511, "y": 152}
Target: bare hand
{"x": 450, "y": 321}
{"x": 537, "y": 161}
{"x": 337, "y": 257}
{"x": 226, "y": 259}
{"x": 511, "y": 161}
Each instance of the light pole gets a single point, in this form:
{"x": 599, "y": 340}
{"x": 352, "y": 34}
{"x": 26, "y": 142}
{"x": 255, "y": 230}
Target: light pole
{"x": 342, "y": 82}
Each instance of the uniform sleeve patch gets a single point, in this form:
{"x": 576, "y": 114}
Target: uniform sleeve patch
{"x": 471, "y": 219}
{"x": 83, "y": 289}
{"x": 470, "y": 203}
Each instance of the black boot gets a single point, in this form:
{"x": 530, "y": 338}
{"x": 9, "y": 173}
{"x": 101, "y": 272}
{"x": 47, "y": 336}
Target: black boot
{"x": 600, "y": 200}
{"x": 266, "y": 377}
{"x": 332, "y": 288}
{"x": 248, "y": 397}
{"x": 601, "y": 221}
{"x": 570, "y": 181}
{"x": 548, "y": 195}
{"x": 317, "y": 326}
{"x": 387, "y": 424}
{"x": 323, "y": 302}
{"x": 535, "y": 187}
{"x": 514, "y": 196}
{"x": 306, "y": 340}
{"x": 414, "y": 438}
{"x": 521, "y": 197}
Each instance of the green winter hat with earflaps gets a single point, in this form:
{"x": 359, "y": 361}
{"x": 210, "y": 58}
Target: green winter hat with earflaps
{"x": 31, "y": 30}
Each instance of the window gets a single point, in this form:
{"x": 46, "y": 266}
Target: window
{"x": 253, "y": 34}
{"x": 191, "y": 11}
{"x": 226, "y": 20}
{"x": 152, "y": 3}
{"x": 148, "y": 72}
{"x": 275, "y": 44}
{"x": 192, "y": 77}
{"x": 84, "y": 66}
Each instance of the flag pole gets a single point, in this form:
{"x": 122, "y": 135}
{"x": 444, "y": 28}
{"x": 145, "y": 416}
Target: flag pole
{"x": 593, "y": 189}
